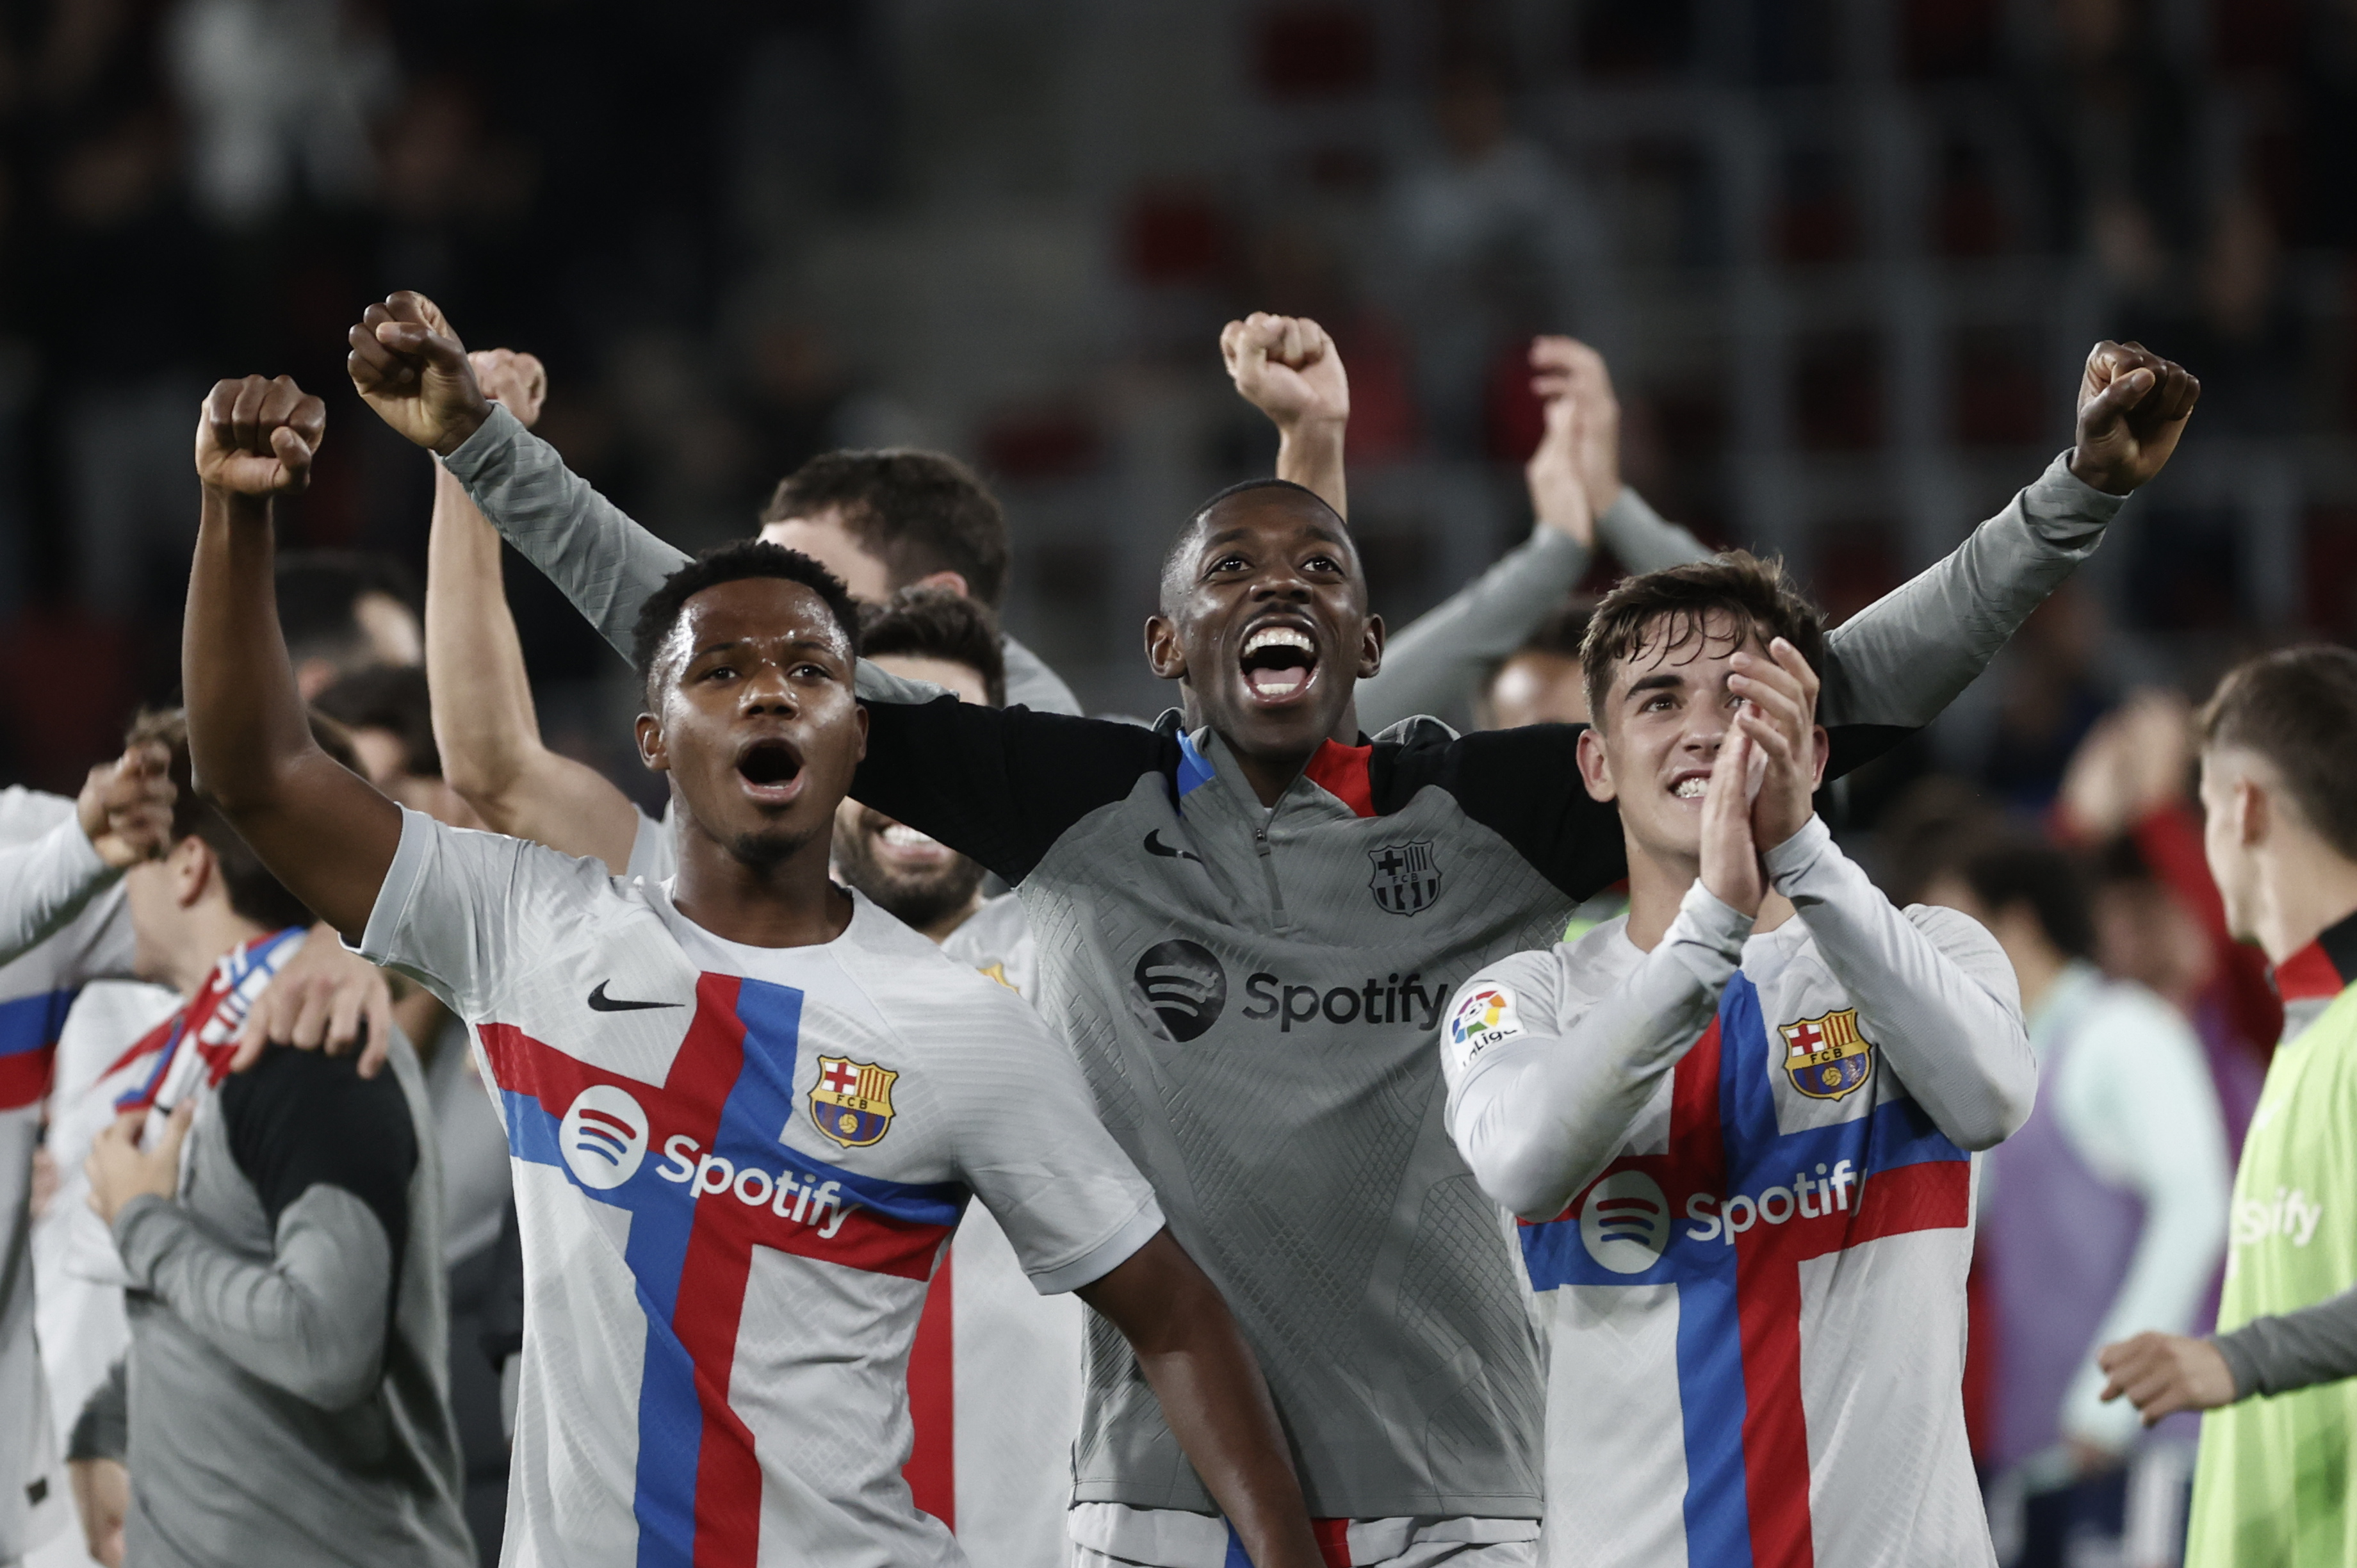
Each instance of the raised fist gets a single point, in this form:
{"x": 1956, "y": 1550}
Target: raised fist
{"x": 257, "y": 436}
{"x": 1287, "y": 367}
{"x": 410, "y": 367}
{"x": 126, "y": 806}
{"x": 2133, "y": 405}
{"x": 517, "y": 379}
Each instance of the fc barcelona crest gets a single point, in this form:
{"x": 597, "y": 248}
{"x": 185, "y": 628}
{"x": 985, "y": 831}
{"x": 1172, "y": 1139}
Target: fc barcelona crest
{"x": 1404, "y": 877}
{"x": 852, "y": 1101}
{"x": 1827, "y": 1057}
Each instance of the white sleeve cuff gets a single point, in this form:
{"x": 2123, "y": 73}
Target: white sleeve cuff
{"x": 1106, "y": 1255}
{"x": 1789, "y": 863}
{"x": 378, "y": 940}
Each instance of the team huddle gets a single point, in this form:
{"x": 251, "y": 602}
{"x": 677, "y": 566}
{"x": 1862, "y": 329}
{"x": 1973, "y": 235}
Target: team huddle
{"x": 1430, "y": 1200}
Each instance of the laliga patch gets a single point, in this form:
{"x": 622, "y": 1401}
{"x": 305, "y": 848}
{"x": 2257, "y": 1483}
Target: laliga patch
{"x": 1484, "y": 1018}
{"x": 852, "y": 1101}
{"x": 1827, "y": 1057}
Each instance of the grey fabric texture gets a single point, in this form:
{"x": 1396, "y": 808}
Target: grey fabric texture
{"x": 2275, "y": 1355}
{"x": 276, "y": 1416}
{"x": 1302, "y": 1156}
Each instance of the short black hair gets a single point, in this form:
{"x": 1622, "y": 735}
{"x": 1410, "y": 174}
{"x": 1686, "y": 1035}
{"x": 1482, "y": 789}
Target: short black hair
{"x": 319, "y": 593}
{"x": 1174, "y": 560}
{"x": 255, "y": 893}
{"x": 733, "y": 562}
{"x": 2298, "y": 708}
{"x": 393, "y": 698}
{"x": 918, "y": 512}
{"x": 1734, "y": 583}
{"x": 934, "y": 623}
{"x": 2023, "y": 871}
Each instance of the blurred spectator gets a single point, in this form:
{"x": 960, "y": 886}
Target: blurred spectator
{"x": 343, "y": 612}
{"x": 1540, "y": 682}
{"x": 2241, "y": 328}
{"x": 2114, "y": 116}
{"x": 1498, "y": 242}
{"x": 2052, "y": 693}
{"x": 2104, "y": 1216}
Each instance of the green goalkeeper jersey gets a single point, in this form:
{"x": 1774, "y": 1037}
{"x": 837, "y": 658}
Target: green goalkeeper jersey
{"x": 2274, "y": 1482}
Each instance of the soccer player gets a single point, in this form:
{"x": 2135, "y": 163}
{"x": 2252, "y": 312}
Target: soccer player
{"x": 746, "y": 1107}
{"x": 287, "y": 1399}
{"x": 1738, "y": 1123}
{"x": 2275, "y": 1480}
{"x": 1248, "y": 930}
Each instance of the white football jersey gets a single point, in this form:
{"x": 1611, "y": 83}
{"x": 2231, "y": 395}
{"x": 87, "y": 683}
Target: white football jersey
{"x": 735, "y": 1170}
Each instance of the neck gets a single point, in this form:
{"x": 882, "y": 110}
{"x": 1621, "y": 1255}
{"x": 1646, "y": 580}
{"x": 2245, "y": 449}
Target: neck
{"x": 2037, "y": 968}
{"x": 1658, "y": 883}
{"x": 211, "y": 931}
{"x": 786, "y": 903}
{"x": 2304, "y": 890}
{"x": 1270, "y": 774}
{"x": 941, "y": 931}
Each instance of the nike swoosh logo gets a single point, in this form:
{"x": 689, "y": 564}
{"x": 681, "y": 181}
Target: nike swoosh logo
{"x": 601, "y": 1002}
{"x": 1154, "y": 845}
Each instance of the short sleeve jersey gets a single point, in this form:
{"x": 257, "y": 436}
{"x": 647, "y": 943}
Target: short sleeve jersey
{"x": 735, "y": 1169}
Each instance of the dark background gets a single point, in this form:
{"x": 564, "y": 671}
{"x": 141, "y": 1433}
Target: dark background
{"x": 1844, "y": 257}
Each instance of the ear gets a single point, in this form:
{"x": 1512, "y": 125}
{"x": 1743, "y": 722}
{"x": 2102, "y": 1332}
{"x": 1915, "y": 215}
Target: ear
{"x": 654, "y": 752}
{"x": 193, "y": 869}
{"x": 953, "y": 581}
{"x": 859, "y": 712}
{"x": 2253, "y": 813}
{"x": 1821, "y": 748}
{"x": 1370, "y": 649}
{"x": 1163, "y": 653}
{"x": 1595, "y": 768}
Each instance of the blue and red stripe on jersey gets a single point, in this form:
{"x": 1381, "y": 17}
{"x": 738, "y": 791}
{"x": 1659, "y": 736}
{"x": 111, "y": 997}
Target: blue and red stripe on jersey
{"x": 29, "y": 1026}
{"x": 1738, "y": 1342}
{"x": 730, "y": 1089}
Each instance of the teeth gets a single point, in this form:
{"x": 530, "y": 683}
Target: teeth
{"x": 1693, "y": 788}
{"x": 1278, "y": 637}
{"x": 900, "y": 837}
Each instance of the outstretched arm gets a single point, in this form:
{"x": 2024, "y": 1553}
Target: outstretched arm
{"x": 484, "y": 722}
{"x": 1213, "y": 1394}
{"x": 320, "y": 828}
{"x": 1899, "y": 661}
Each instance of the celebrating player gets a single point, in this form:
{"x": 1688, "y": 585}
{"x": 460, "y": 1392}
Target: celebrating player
{"x": 747, "y": 1110}
{"x": 1249, "y": 930}
{"x": 1738, "y": 1122}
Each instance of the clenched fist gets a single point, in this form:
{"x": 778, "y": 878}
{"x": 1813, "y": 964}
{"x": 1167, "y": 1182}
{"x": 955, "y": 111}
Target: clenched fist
{"x": 2133, "y": 405}
{"x": 410, "y": 367}
{"x": 1287, "y": 367}
{"x": 257, "y": 436}
{"x": 519, "y": 381}
{"x": 125, "y": 807}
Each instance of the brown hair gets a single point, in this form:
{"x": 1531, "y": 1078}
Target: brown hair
{"x": 918, "y": 512}
{"x": 1673, "y": 608}
{"x": 934, "y": 623}
{"x": 254, "y": 892}
{"x": 2298, "y": 708}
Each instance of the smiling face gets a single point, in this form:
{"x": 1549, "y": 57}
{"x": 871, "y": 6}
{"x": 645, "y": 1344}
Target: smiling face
{"x": 1264, "y": 620}
{"x": 1667, "y": 709}
{"x": 754, "y": 717}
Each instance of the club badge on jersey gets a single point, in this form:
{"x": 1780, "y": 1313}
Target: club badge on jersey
{"x": 1826, "y": 1058}
{"x": 852, "y": 1101}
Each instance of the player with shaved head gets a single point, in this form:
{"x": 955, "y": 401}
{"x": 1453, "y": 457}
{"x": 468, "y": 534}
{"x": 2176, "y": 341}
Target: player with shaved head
{"x": 1249, "y": 924}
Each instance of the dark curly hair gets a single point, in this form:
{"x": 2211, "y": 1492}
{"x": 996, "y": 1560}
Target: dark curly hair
{"x": 730, "y": 564}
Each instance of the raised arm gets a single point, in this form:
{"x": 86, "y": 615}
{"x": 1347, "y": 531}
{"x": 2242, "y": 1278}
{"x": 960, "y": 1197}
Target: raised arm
{"x": 320, "y": 828}
{"x": 1899, "y": 661}
{"x": 1543, "y": 1086}
{"x": 1212, "y": 1395}
{"x": 484, "y": 722}
{"x": 1287, "y": 367}
{"x": 412, "y": 369}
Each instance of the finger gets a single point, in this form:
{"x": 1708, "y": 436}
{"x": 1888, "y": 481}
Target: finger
{"x": 175, "y": 1129}
{"x": 344, "y": 1019}
{"x": 252, "y": 1041}
{"x": 2179, "y": 392}
{"x": 371, "y": 357}
{"x": 1772, "y": 743}
{"x": 2114, "y": 402}
{"x": 310, "y": 1028}
{"x": 279, "y": 396}
{"x": 379, "y": 1028}
{"x": 308, "y": 417}
{"x": 1232, "y": 345}
{"x": 219, "y": 402}
{"x": 294, "y": 454}
{"x": 1788, "y": 659}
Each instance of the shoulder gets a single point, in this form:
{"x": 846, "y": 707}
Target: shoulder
{"x": 921, "y": 989}
{"x": 28, "y": 813}
{"x": 1954, "y": 932}
{"x": 293, "y": 1097}
{"x": 997, "y": 927}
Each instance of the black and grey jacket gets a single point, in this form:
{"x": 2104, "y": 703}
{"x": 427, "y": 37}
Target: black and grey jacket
{"x": 1254, "y": 991}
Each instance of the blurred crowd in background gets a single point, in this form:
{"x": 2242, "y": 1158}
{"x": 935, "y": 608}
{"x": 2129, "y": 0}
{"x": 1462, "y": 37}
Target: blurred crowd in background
{"x": 1843, "y": 256}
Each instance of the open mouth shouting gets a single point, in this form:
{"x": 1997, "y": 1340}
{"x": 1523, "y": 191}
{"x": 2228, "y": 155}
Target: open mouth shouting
{"x": 1279, "y": 661}
{"x": 771, "y": 769}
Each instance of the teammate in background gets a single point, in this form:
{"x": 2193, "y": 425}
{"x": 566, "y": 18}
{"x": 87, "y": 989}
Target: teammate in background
{"x": 2105, "y": 1214}
{"x": 55, "y": 918}
{"x": 1271, "y": 873}
{"x": 342, "y": 612}
{"x": 763, "y": 1294}
{"x": 285, "y": 1399}
{"x": 2277, "y": 1476}
{"x": 1540, "y": 682}
{"x": 1739, "y": 1125}
{"x": 1289, "y": 368}
{"x": 388, "y": 714}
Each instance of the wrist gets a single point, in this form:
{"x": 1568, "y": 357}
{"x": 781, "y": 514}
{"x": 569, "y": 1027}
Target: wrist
{"x": 2096, "y": 477}
{"x": 460, "y": 429}
{"x": 237, "y": 505}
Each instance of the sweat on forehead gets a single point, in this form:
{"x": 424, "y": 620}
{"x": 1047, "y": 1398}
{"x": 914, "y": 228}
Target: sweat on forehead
{"x": 660, "y": 618}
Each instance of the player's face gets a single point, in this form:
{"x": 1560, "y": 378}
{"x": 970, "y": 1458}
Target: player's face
{"x": 911, "y": 876}
{"x": 756, "y": 724}
{"x": 1268, "y": 628}
{"x": 1666, "y": 713}
{"x": 1538, "y": 689}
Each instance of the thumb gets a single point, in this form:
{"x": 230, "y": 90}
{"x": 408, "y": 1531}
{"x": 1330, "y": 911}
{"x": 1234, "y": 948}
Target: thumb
{"x": 2111, "y": 405}
{"x": 293, "y": 453}
{"x": 440, "y": 352}
{"x": 175, "y": 1131}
